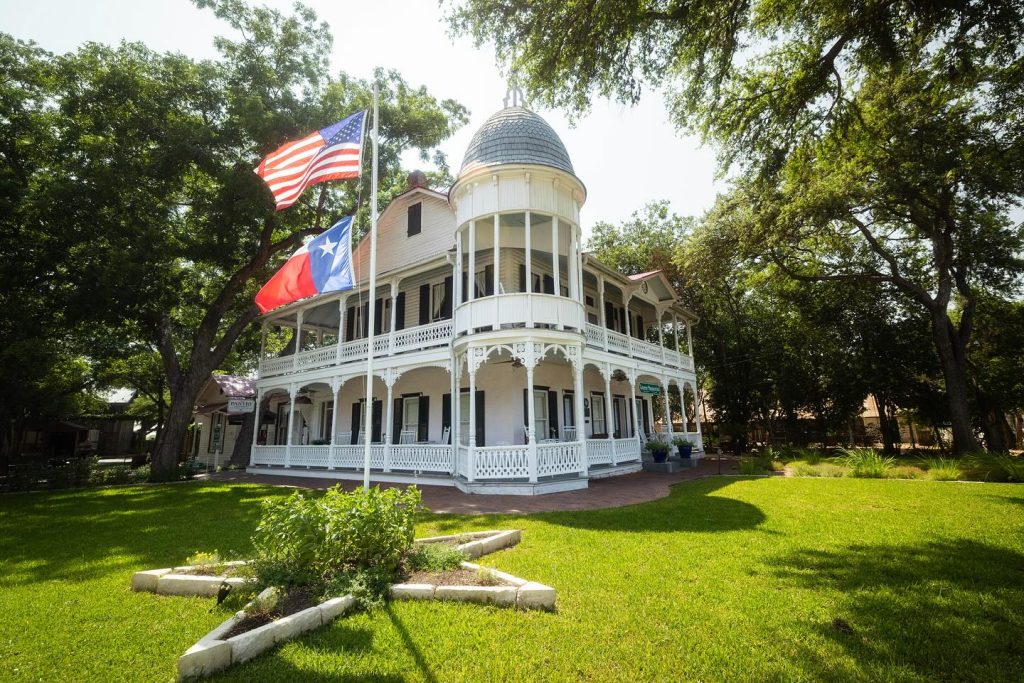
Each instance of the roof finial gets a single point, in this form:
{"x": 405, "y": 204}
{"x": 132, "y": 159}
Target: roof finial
{"x": 516, "y": 95}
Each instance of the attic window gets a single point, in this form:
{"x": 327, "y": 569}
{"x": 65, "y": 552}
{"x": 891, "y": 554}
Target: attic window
{"x": 415, "y": 222}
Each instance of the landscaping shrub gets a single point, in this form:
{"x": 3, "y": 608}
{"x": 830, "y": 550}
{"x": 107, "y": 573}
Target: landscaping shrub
{"x": 749, "y": 465}
{"x": 825, "y": 469}
{"x": 994, "y": 467}
{"x": 866, "y": 462}
{"x": 435, "y": 557}
{"x": 905, "y": 472}
{"x": 340, "y": 541}
{"x": 941, "y": 469}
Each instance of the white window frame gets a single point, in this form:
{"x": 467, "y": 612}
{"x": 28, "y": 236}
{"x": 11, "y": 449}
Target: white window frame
{"x": 597, "y": 415}
{"x": 541, "y": 419}
{"x": 436, "y": 302}
{"x": 411, "y": 411}
{"x": 326, "y": 419}
{"x": 464, "y": 426}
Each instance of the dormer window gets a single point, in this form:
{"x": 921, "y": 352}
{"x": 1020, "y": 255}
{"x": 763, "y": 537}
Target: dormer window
{"x": 415, "y": 219}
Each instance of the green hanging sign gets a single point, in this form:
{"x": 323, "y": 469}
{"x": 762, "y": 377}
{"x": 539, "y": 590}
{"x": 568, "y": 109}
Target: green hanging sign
{"x": 648, "y": 388}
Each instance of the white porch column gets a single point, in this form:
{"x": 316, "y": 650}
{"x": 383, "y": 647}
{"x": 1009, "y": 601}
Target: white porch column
{"x": 453, "y": 413}
{"x": 471, "y": 278}
{"x": 581, "y": 430}
{"x": 555, "y": 265}
{"x": 292, "y": 392}
{"x": 389, "y": 437}
{"x": 636, "y": 408}
{"x": 609, "y": 418}
{"x": 668, "y": 411}
{"x": 696, "y": 417}
{"x": 601, "y": 309}
{"x": 472, "y": 423}
{"x": 341, "y": 330}
{"x": 661, "y": 336}
{"x": 528, "y": 266}
{"x": 629, "y": 320}
{"x": 394, "y": 316}
{"x": 531, "y": 431}
{"x": 457, "y": 273}
{"x": 335, "y": 389}
{"x": 298, "y": 340}
{"x": 682, "y": 407}
{"x": 256, "y": 429}
{"x": 497, "y": 269}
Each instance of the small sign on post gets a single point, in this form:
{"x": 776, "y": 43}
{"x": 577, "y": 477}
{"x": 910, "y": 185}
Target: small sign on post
{"x": 237, "y": 406}
{"x": 216, "y": 434}
{"x": 651, "y": 389}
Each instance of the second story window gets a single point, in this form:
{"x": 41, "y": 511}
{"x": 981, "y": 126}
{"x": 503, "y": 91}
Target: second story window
{"x": 415, "y": 219}
{"x": 437, "y": 302}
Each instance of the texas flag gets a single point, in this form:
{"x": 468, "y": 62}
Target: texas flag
{"x": 324, "y": 264}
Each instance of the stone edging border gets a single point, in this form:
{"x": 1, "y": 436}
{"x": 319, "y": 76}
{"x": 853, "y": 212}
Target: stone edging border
{"x": 213, "y": 652}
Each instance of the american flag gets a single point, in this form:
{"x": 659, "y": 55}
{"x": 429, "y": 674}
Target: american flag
{"x": 331, "y": 153}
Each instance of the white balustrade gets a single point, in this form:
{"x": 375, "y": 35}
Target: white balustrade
{"x": 268, "y": 455}
{"x": 351, "y": 457}
{"x": 645, "y": 350}
{"x": 501, "y": 462}
{"x": 618, "y": 343}
{"x": 275, "y": 366}
{"x": 557, "y": 458}
{"x": 600, "y": 452}
{"x": 421, "y": 457}
{"x": 595, "y": 335}
{"x": 518, "y": 309}
{"x": 309, "y": 456}
{"x": 424, "y": 336}
{"x": 316, "y": 358}
{"x": 462, "y": 461}
{"x": 626, "y": 450}
{"x": 627, "y": 346}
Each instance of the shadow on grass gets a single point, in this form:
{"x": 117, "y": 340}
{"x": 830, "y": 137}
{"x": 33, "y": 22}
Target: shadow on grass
{"x": 928, "y": 609}
{"x": 88, "y": 534}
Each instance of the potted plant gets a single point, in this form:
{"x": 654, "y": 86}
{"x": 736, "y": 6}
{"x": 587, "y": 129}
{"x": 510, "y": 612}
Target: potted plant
{"x": 659, "y": 450}
{"x": 685, "y": 447}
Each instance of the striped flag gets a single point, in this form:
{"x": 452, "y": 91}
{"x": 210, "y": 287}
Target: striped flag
{"x": 331, "y": 153}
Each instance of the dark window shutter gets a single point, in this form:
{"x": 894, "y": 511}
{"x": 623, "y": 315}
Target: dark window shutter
{"x": 400, "y": 311}
{"x": 365, "y": 320}
{"x": 639, "y": 327}
{"x": 553, "y": 415}
{"x": 549, "y": 284}
{"x": 357, "y": 421}
{"x": 424, "y": 304}
{"x": 423, "y": 426}
{"x": 522, "y": 278}
{"x": 609, "y": 315}
{"x": 350, "y": 323}
{"x": 446, "y": 411}
{"x": 415, "y": 219}
{"x": 378, "y": 308}
{"x": 489, "y": 280}
{"x": 480, "y": 418}
{"x": 396, "y": 419}
{"x": 375, "y": 421}
{"x": 446, "y": 304}
{"x": 465, "y": 286}
{"x": 622, "y": 320}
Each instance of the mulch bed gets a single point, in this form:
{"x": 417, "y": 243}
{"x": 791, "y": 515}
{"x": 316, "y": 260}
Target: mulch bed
{"x": 457, "y": 577}
{"x": 295, "y": 600}
{"x": 225, "y": 572}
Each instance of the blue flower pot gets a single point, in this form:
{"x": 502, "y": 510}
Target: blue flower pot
{"x": 685, "y": 451}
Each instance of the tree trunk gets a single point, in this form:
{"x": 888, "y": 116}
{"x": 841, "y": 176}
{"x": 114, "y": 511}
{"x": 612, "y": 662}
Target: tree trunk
{"x": 890, "y": 435}
{"x": 952, "y": 357}
{"x": 243, "y": 444}
{"x": 171, "y": 439}
{"x": 999, "y": 438}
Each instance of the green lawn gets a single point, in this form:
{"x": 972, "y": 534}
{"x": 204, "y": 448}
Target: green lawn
{"x": 727, "y": 579}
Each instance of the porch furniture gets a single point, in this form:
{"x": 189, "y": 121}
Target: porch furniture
{"x": 407, "y": 436}
{"x": 343, "y": 438}
{"x": 446, "y": 435}
{"x": 361, "y": 438}
{"x": 568, "y": 433}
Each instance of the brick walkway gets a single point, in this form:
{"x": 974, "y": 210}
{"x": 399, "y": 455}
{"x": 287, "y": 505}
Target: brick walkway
{"x": 610, "y": 492}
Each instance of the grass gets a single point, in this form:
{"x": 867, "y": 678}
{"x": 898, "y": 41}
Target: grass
{"x": 726, "y": 579}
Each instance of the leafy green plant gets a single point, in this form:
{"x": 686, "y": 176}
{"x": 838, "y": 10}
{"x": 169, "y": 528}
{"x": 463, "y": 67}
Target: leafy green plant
{"x": 435, "y": 557}
{"x": 866, "y": 462}
{"x": 941, "y": 469}
{"x": 487, "y": 577}
{"x": 750, "y": 465}
{"x": 994, "y": 467}
{"x": 205, "y": 561}
{"x": 905, "y": 472}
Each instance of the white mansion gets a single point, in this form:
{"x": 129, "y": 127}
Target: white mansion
{"x": 484, "y": 294}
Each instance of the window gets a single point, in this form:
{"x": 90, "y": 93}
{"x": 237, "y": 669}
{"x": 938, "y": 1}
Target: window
{"x": 590, "y": 302}
{"x": 540, "y": 414}
{"x": 385, "y": 309}
{"x": 217, "y": 426}
{"x": 619, "y": 416}
{"x": 483, "y": 283}
{"x": 568, "y": 409}
{"x": 411, "y": 414}
{"x": 597, "y": 413}
{"x": 281, "y": 424}
{"x": 415, "y": 219}
{"x": 358, "y": 327}
{"x": 464, "y": 418}
{"x": 326, "y": 419}
{"x": 437, "y": 295}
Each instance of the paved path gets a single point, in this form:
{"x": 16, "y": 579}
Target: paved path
{"x": 610, "y": 492}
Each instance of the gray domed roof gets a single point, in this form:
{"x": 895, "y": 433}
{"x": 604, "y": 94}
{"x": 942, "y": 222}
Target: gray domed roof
{"x": 516, "y": 135}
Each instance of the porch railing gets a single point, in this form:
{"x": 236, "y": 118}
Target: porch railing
{"x": 615, "y": 342}
{"x": 406, "y": 457}
{"x": 402, "y": 341}
{"x": 553, "y": 459}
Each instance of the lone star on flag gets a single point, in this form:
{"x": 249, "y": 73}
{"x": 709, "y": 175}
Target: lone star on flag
{"x": 328, "y": 247}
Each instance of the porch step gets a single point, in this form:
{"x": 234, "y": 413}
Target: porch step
{"x": 602, "y": 471}
{"x": 512, "y": 488}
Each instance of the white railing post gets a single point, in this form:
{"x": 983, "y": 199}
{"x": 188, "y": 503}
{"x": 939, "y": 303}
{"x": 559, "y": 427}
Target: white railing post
{"x": 389, "y": 438}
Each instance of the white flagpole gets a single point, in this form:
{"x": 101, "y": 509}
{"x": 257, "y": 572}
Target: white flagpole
{"x": 368, "y": 408}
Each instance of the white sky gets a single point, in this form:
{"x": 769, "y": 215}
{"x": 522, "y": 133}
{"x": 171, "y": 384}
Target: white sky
{"x": 625, "y": 156}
